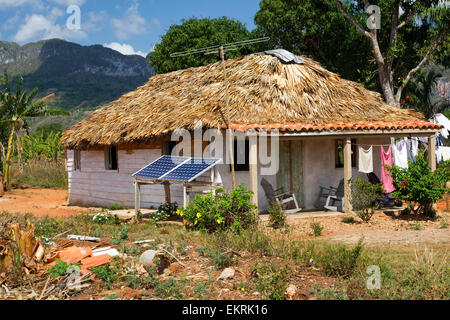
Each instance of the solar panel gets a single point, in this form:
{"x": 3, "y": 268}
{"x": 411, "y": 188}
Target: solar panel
{"x": 160, "y": 167}
{"x": 190, "y": 170}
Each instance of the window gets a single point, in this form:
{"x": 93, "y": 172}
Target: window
{"x": 340, "y": 153}
{"x": 111, "y": 159}
{"x": 241, "y": 156}
{"x": 168, "y": 147}
{"x": 77, "y": 160}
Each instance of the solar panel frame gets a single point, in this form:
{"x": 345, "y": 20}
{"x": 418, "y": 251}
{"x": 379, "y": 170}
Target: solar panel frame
{"x": 190, "y": 170}
{"x": 184, "y": 169}
{"x": 154, "y": 172}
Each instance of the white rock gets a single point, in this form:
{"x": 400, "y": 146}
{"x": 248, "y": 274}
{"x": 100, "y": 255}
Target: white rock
{"x": 291, "y": 291}
{"x": 227, "y": 274}
{"x": 147, "y": 258}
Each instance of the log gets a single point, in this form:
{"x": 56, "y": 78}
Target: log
{"x": 21, "y": 244}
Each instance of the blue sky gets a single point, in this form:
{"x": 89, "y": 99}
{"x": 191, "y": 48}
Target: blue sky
{"x": 129, "y": 26}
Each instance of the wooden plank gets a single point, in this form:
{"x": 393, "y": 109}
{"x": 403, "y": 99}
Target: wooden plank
{"x": 347, "y": 174}
{"x": 297, "y": 171}
{"x": 253, "y": 159}
{"x": 137, "y": 200}
{"x": 432, "y": 152}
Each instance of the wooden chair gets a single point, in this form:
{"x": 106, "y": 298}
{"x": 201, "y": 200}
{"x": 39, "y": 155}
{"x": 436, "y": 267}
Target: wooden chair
{"x": 281, "y": 197}
{"x": 333, "y": 196}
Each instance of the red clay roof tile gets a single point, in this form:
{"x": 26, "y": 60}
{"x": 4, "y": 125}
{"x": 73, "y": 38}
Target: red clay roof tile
{"x": 356, "y": 126}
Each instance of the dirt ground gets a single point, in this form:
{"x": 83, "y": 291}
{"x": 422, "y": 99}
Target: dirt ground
{"x": 39, "y": 202}
{"x": 381, "y": 229}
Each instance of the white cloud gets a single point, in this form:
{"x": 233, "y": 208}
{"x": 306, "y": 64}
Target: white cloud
{"x": 37, "y": 4}
{"x": 4, "y": 4}
{"x": 39, "y": 27}
{"x": 131, "y": 24}
{"x": 125, "y": 49}
{"x": 11, "y": 22}
{"x": 68, "y": 2}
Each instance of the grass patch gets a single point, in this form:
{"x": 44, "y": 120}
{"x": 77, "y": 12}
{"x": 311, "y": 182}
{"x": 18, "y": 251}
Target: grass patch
{"x": 317, "y": 229}
{"x": 405, "y": 274}
{"x": 43, "y": 174}
{"x": 348, "y": 220}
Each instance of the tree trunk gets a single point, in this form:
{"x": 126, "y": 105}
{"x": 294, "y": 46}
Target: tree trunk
{"x": 386, "y": 86}
{"x": 7, "y": 181}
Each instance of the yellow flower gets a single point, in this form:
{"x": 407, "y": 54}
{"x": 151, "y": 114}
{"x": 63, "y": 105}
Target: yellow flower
{"x": 199, "y": 215}
{"x": 195, "y": 222}
{"x": 178, "y": 212}
{"x": 181, "y": 214}
{"x": 242, "y": 289}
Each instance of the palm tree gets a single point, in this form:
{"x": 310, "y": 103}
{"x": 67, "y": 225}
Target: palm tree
{"x": 14, "y": 109}
{"x": 422, "y": 94}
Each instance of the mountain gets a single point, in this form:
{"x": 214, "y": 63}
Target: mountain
{"x": 81, "y": 77}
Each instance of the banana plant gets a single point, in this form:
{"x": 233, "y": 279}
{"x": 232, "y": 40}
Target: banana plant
{"x": 14, "y": 109}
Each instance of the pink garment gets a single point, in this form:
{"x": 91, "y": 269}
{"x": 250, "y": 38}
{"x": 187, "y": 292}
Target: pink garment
{"x": 386, "y": 159}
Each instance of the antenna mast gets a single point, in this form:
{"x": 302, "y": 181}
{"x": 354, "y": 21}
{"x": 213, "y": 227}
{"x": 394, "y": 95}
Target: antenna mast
{"x": 221, "y": 51}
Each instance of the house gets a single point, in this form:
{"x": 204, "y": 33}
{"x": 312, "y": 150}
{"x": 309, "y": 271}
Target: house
{"x": 319, "y": 118}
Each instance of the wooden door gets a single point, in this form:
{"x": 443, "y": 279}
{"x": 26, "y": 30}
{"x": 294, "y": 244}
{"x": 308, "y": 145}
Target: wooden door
{"x": 290, "y": 174}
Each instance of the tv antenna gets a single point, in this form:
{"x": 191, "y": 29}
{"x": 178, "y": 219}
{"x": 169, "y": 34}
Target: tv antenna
{"x": 221, "y": 51}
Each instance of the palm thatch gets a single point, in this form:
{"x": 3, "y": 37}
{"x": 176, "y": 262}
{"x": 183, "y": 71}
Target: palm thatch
{"x": 262, "y": 90}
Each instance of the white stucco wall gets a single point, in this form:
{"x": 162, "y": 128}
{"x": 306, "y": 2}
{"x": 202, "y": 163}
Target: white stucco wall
{"x": 95, "y": 186}
{"x": 319, "y": 165}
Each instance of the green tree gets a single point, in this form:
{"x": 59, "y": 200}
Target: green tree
{"x": 15, "y": 108}
{"x": 316, "y": 28}
{"x": 334, "y": 33}
{"x": 410, "y": 33}
{"x": 422, "y": 95}
{"x": 419, "y": 186}
{"x": 194, "y": 34}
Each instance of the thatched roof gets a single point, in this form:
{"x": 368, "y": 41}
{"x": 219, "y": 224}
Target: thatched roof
{"x": 262, "y": 90}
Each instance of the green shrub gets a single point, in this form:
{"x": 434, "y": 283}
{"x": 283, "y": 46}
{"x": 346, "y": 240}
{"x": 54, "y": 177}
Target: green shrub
{"x": 106, "y": 218}
{"x": 364, "y": 198}
{"x": 271, "y": 280}
{"x": 165, "y": 212}
{"x": 317, "y": 229}
{"x": 349, "y": 220}
{"x": 234, "y": 211}
{"x": 419, "y": 186}
{"x": 277, "y": 217}
{"x": 106, "y": 273}
{"x": 116, "y": 207}
{"x": 444, "y": 224}
{"x": 61, "y": 268}
{"x": 339, "y": 260}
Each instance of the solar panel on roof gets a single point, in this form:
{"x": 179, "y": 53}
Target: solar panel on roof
{"x": 190, "y": 170}
{"x": 160, "y": 167}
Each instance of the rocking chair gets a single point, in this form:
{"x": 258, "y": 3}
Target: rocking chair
{"x": 332, "y": 196}
{"x": 281, "y": 197}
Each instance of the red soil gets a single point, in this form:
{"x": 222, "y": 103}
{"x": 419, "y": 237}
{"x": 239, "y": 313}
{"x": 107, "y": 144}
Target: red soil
{"x": 39, "y": 203}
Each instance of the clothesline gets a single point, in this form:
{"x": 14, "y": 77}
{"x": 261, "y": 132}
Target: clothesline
{"x": 370, "y": 145}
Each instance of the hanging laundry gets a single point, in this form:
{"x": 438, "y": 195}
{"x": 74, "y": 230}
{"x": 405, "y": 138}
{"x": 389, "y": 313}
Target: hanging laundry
{"x": 445, "y": 153}
{"x": 414, "y": 148}
{"x": 424, "y": 141}
{"x": 442, "y": 154}
{"x": 401, "y": 154}
{"x": 442, "y": 120}
{"x": 386, "y": 159}
{"x": 365, "y": 160}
